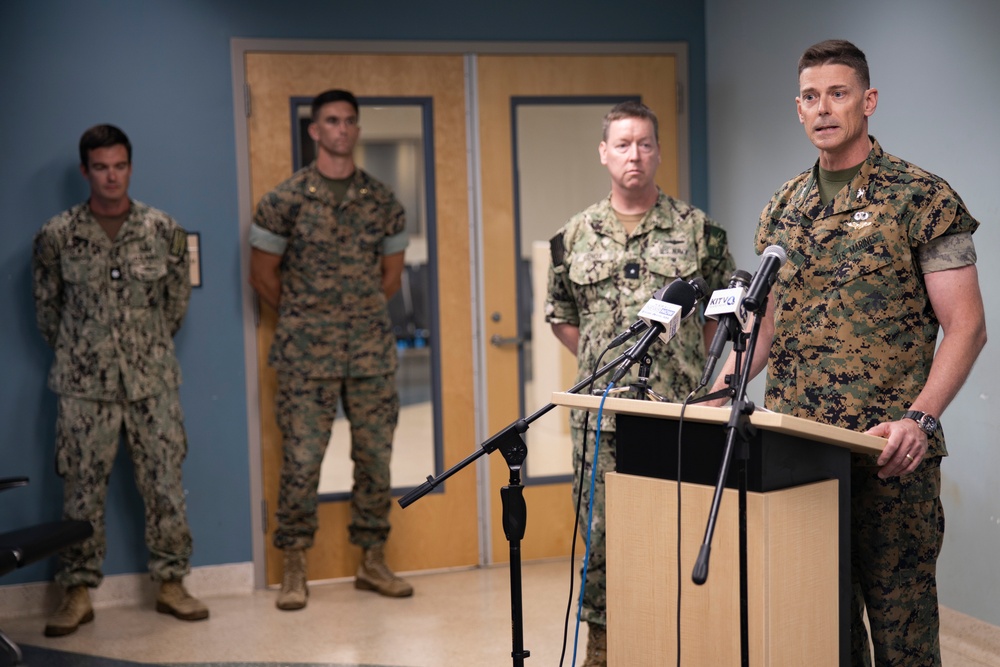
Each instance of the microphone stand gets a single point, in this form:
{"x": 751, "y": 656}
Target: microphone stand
{"x": 642, "y": 390}
{"x": 514, "y": 450}
{"x": 739, "y": 430}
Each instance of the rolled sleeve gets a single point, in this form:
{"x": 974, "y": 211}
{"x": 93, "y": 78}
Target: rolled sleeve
{"x": 951, "y": 251}
{"x": 267, "y": 241}
{"x": 393, "y": 244}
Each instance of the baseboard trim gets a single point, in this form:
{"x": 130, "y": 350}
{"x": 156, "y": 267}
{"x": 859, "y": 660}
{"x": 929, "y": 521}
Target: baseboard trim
{"x": 969, "y": 637}
{"x": 127, "y": 590}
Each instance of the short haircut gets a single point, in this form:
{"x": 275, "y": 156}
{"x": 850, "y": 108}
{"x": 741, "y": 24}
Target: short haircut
{"x": 630, "y": 109}
{"x": 335, "y": 95}
{"x": 103, "y": 136}
{"x": 837, "y": 52}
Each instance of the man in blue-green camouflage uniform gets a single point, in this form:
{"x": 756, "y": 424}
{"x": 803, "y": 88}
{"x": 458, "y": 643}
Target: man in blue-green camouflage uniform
{"x": 606, "y": 264}
{"x": 880, "y": 258}
{"x": 111, "y": 286}
{"x": 327, "y": 254}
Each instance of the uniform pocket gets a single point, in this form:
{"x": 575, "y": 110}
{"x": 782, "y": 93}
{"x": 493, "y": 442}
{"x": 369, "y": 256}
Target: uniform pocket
{"x": 145, "y": 272}
{"x": 78, "y": 262}
{"x": 869, "y": 287}
{"x": 592, "y": 275}
{"x": 665, "y": 268}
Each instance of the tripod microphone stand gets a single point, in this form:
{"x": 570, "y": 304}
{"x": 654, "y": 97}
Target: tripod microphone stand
{"x": 514, "y": 450}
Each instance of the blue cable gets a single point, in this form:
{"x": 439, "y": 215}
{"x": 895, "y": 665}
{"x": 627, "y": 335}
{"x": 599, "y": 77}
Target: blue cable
{"x": 590, "y": 515}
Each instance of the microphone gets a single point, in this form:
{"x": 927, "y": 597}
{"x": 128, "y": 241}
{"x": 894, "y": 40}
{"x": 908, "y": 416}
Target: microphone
{"x": 726, "y": 306}
{"x": 638, "y": 326}
{"x": 771, "y": 260}
{"x": 663, "y": 317}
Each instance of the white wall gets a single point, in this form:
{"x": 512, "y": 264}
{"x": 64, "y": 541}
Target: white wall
{"x": 937, "y": 68}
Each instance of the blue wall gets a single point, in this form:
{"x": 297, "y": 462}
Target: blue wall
{"x": 161, "y": 70}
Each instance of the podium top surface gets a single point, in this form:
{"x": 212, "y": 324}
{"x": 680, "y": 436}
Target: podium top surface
{"x": 859, "y": 443}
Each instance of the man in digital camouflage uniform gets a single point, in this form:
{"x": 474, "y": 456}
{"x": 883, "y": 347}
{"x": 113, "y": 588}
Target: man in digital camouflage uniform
{"x": 111, "y": 286}
{"x": 327, "y": 253}
{"x": 880, "y": 257}
{"x": 606, "y": 264}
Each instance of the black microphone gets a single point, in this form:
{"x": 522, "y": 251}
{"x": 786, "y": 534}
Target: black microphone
{"x": 771, "y": 260}
{"x": 726, "y": 306}
{"x": 664, "y": 317}
{"x": 638, "y": 326}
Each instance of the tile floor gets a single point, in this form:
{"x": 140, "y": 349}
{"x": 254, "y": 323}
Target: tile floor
{"x": 344, "y": 627}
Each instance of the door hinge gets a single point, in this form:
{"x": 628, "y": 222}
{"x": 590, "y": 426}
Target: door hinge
{"x": 246, "y": 99}
{"x": 263, "y": 516}
{"x": 680, "y": 99}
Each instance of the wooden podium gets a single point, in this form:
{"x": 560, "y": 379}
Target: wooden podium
{"x": 798, "y": 538}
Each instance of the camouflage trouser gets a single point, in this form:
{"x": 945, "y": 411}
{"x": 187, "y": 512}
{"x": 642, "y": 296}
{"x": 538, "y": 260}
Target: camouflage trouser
{"x": 595, "y": 598}
{"x": 306, "y": 409}
{"x": 897, "y": 528}
{"x": 87, "y": 437}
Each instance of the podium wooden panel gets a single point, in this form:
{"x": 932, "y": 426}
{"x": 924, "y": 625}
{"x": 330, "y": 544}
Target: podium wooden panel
{"x": 798, "y": 510}
{"x": 792, "y": 582}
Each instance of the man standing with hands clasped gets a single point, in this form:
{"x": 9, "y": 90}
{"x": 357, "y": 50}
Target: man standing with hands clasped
{"x": 111, "y": 285}
{"x": 607, "y": 261}
{"x": 880, "y": 258}
{"x": 327, "y": 254}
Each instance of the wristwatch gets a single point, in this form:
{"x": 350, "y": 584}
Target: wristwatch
{"x": 927, "y": 423}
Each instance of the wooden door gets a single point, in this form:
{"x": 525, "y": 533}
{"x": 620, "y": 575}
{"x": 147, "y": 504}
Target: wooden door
{"x": 439, "y": 530}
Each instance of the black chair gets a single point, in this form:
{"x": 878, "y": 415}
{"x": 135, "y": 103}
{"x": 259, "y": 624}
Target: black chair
{"x": 27, "y": 545}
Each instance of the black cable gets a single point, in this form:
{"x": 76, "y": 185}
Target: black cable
{"x": 576, "y": 515}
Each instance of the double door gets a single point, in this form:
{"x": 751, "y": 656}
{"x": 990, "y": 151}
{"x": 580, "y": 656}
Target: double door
{"x": 509, "y": 145}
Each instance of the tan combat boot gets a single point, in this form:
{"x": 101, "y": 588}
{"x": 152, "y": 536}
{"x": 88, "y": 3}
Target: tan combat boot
{"x": 294, "y": 591}
{"x": 597, "y": 646}
{"x": 174, "y": 599}
{"x": 74, "y": 610}
{"x": 374, "y": 575}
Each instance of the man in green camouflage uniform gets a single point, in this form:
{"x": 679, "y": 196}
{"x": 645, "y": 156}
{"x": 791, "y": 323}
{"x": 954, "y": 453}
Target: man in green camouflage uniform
{"x": 111, "y": 286}
{"x": 880, "y": 257}
{"x": 606, "y": 264}
{"x": 327, "y": 253}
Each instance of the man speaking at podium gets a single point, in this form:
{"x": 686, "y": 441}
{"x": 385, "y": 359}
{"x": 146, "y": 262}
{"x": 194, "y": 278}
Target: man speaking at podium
{"x": 606, "y": 263}
{"x": 880, "y": 257}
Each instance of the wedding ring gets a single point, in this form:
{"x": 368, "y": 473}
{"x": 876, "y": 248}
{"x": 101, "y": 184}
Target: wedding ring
{"x": 909, "y": 457}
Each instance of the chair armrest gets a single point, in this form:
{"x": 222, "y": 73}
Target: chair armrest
{"x": 11, "y": 482}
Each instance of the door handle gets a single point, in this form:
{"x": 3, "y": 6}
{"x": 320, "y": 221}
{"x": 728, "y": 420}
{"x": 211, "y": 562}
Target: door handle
{"x": 500, "y": 341}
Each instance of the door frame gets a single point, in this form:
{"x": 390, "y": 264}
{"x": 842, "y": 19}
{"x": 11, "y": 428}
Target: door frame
{"x": 239, "y": 47}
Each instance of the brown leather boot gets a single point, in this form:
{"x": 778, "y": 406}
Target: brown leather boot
{"x": 294, "y": 591}
{"x": 174, "y": 599}
{"x": 597, "y": 646}
{"x": 374, "y": 575}
{"x": 74, "y": 610}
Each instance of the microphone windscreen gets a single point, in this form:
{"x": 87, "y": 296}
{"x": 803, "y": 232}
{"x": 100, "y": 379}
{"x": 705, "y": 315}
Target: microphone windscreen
{"x": 683, "y": 294}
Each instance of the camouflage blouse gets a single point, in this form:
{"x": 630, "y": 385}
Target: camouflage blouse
{"x": 606, "y": 276}
{"x": 333, "y": 319}
{"x": 854, "y": 329}
{"x": 110, "y": 308}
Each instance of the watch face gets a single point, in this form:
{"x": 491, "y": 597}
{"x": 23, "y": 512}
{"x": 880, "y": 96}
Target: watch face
{"x": 929, "y": 424}
{"x": 926, "y": 422}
